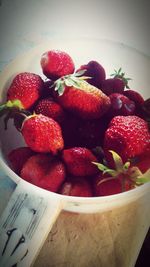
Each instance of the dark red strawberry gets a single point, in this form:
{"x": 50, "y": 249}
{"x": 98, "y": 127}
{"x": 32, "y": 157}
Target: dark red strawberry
{"x": 82, "y": 99}
{"x": 127, "y": 135}
{"x": 121, "y": 105}
{"x": 42, "y": 134}
{"x": 112, "y": 85}
{"x": 27, "y": 88}
{"x": 56, "y": 63}
{"x": 134, "y": 96}
{"x": 116, "y": 84}
{"x": 51, "y": 109}
{"x": 109, "y": 187}
{"x": 79, "y": 161}
{"x": 95, "y": 72}
{"x": 18, "y": 157}
{"x": 76, "y": 187}
{"x": 44, "y": 171}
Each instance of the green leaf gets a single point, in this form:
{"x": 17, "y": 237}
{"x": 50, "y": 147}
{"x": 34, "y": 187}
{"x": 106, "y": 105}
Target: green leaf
{"x": 61, "y": 89}
{"x": 105, "y": 169}
{"x": 144, "y": 178}
{"x": 79, "y": 73}
{"x": 117, "y": 160}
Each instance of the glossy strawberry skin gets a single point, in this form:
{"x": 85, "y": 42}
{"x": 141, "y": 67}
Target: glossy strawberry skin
{"x": 78, "y": 161}
{"x": 44, "y": 171}
{"x": 128, "y": 136}
{"x": 56, "y": 63}
{"x": 26, "y": 87}
{"x": 42, "y": 134}
{"x": 76, "y": 187}
{"x": 134, "y": 96}
{"x": 48, "y": 107}
{"x": 121, "y": 105}
{"x": 17, "y": 157}
{"x": 87, "y": 103}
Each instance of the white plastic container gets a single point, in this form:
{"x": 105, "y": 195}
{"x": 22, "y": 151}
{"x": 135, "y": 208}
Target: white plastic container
{"x": 126, "y": 215}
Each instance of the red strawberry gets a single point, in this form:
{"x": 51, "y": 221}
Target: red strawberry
{"x": 134, "y": 96}
{"x": 81, "y": 98}
{"x": 51, "y": 109}
{"x": 142, "y": 161}
{"x": 44, "y": 171}
{"x": 109, "y": 187}
{"x": 95, "y": 72}
{"x": 76, "y": 187}
{"x": 27, "y": 88}
{"x": 56, "y": 63}
{"x": 116, "y": 84}
{"x": 18, "y": 157}
{"x": 127, "y": 135}
{"x": 123, "y": 177}
{"x": 42, "y": 134}
{"x": 79, "y": 161}
{"x": 121, "y": 105}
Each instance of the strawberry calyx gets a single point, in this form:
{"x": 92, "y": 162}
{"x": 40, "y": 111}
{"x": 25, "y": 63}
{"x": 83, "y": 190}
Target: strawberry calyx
{"x": 124, "y": 171}
{"x": 12, "y": 109}
{"x": 121, "y": 75}
{"x": 70, "y": 80}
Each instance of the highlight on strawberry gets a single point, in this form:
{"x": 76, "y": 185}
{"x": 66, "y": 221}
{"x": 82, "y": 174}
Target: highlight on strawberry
{"x": 86, "y": 134}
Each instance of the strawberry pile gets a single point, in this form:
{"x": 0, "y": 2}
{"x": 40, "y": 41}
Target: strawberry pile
{"x": 86, "y": 135}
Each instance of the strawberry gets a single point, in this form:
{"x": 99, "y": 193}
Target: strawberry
{"x": 79, "y": 97}
{"x": 44, "y": 171}
{"x": 121, "y": 105}
{"x": 124, "y": 176}
{"x": 42, "y": 134}
{"x": 51, "y": 109}
{"x": 116, "y": 84}
{"x": 56, "y": 63}
{"x": 78, "y": 161}
{"x": 18, "y": 157}
{"x": 76, "y": 187}
{"x": 127, "y": 135}
{"x": 95, "y": 71}
{"x": 27, "y": 88}
{"x": 134, "y": 96}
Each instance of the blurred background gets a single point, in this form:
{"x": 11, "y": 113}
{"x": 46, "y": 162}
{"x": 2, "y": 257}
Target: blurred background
{"x": 24, "y": 24}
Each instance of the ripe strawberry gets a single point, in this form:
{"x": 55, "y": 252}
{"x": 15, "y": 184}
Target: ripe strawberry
{"x": 18, "y": 157}
{"x": 127, "y": 135}
{"x": 81, "y": 98}
{"x": 124, "y": 176}
{"x": 142, "y": 161}
{"x": 134, "y": 96}
{"x": 76, "y": 187}
{"x": 116, "y": 84}
{"x": 121, "y": 105}
{"x": 27, "y": 88}
{"x": 42, "y": 134}
{"x": 44, "y": 171}
{"x": 79, "y": 161}
{"x": 109, "y": 187}
{"x": 51, "y": 109}
{"x": 56, "y": 63}
{"x": 95, "y": 71}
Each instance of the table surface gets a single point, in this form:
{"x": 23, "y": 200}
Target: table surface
{"x": 24, "y": 24}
